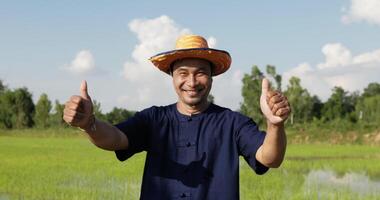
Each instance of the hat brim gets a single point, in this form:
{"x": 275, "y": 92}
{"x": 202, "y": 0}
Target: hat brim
{"x": 220, "y": 59}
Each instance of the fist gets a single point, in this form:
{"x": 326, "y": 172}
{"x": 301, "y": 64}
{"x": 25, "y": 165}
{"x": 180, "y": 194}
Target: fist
{"x": 78, "y": 110}
{"x": 274, "y": 105}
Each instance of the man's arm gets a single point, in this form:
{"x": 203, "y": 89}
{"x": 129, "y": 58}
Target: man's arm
{"x": 272, "y": 151}
{"x": 106, "y": 136}
{"x": 78, "y": 113}
{"x": 276, "y": 109}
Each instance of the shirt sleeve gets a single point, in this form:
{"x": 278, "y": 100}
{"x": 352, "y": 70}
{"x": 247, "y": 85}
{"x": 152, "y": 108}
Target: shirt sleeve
{"x": 249, "y": 140}
{"x": 136, "y": 129}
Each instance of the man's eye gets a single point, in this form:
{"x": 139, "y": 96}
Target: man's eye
{"x": 201, "y": 73}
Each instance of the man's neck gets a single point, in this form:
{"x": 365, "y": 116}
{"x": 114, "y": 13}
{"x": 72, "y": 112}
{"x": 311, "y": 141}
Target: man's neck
{"x": 192, "y": 109}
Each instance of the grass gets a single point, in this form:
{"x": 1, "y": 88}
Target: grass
{"x": 63, "y": 164}
{"x": 293, "y": 181}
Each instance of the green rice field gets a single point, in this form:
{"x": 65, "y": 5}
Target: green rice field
{"x": 68, "y": 166}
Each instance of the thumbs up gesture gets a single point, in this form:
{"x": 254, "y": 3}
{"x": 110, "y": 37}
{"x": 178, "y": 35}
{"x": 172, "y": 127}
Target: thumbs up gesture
{"x": 78, "y": 110}
{"x": 273, "y": 104}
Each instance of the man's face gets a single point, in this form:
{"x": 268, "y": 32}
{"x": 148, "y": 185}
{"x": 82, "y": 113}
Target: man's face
{"x": 192, "y": 80}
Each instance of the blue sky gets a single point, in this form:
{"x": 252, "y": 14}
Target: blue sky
{"x": 325, "y": 43}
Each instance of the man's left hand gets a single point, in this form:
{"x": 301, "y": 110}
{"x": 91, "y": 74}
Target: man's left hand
{"x": 274, "y": 105}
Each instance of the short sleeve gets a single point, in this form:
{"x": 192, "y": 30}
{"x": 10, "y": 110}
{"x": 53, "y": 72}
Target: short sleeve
{"x": 136, "y": 129}
{"x": 249, "y": 139}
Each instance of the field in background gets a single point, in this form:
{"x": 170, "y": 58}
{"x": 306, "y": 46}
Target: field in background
{"x": 62, "y": 164}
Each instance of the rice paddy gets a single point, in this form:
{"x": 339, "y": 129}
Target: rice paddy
{"x": 68, "y": 166}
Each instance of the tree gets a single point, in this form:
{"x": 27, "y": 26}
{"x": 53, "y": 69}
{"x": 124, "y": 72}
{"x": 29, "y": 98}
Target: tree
{"x": 24, "y": 108}
{"x": 98, "y": 111}
{"x": 251, "y": 93}
{"x": 271, "y": 71}
{"x": 338, "y": 105}
{"x": 57, "y": 116}
{"x": 43, "y": 107}
{"x": 368, "y": 109}
{"x": 16, "y": 109}
{"x": 372, "y": 89}
{"x": 118, "y": 115}
{"x": 316, "y": 110}
{"x": 7, "y": 104}
{"x": 300, "y": 101}
{"x": 2, "y": 87}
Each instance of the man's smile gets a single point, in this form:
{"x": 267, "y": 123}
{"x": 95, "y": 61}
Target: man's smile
{"x": 192, "y": 92}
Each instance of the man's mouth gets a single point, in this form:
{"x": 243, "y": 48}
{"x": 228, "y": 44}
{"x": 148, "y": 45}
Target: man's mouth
{"x": 192, "y": 92}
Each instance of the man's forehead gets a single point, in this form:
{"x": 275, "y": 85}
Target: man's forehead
{"x": 192, "y": 62}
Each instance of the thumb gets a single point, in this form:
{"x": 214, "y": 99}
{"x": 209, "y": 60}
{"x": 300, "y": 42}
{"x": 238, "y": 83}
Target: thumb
{"x": 83, "y": 90}
{"x": 265, "y": 86}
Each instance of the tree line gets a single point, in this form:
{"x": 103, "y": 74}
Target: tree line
{"x": 17, "y": 110}
{"x": 342, "y": 108}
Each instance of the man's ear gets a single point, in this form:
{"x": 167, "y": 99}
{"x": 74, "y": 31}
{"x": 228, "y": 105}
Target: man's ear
{"x": 171, "y": 70}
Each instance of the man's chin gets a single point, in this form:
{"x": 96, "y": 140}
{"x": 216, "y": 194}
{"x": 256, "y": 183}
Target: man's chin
{"x": 193, "y": 102}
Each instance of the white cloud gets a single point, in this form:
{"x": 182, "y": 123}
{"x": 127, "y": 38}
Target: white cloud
{"x": 363, "y": 10}
{"x": 227, "y": 89}
{"x": 83, "y": 63}
{"x": 154, "y": 36}
{"x": 336, "y": 55}
{"x": 340, "y": 68}
{"x": 146, "y": 85}
{"x": 211, "y": 41}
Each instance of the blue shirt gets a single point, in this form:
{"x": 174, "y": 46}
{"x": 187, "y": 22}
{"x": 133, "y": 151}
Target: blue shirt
{"x": 192, "y": 157}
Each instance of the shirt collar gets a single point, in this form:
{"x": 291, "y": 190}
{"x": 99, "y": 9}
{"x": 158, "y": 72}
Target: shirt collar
{"x": 197, "y": 116}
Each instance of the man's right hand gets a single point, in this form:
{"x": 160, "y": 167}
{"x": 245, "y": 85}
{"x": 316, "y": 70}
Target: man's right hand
{"x": 78, "y": 110}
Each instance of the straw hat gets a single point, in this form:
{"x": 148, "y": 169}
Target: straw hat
{"x": 193, "y": 46}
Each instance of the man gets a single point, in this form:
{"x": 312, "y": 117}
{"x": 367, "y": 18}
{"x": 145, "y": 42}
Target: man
{"x": 193, "y": 146}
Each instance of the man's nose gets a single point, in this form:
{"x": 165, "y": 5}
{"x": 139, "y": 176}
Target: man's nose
{"x": 191, "y": 81}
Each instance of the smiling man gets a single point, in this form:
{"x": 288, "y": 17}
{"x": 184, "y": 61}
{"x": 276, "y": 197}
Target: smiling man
{"x": 192, "y": 83}
{"x": 193, "y": 146}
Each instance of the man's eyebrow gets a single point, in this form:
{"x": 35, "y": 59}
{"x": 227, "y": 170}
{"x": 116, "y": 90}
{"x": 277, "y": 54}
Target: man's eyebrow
{"x": 182, "y": 68}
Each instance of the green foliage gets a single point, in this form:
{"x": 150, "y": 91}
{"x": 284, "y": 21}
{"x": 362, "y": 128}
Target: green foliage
{"x": 2, "y": 87}
{"x": 24, "y": 108}
{"x": 342, "y": 112}
{"x": 271, "y": 71}
{"x": 338, "y": 105}
{"x": 368, "y": 109}
{"x": 300, "y": 101}
{"x": 43, "y": 107}
{"x": 17, "y": 109}
{"x": 118, "y": 115}
{"x": 372, "y": 89}
{"x": 316, "y": 110}
{"x": 98, "y": 111}
{"x": 251, "y": 92}
{"x": 7, "y": 104}
{"x": 57, "y": 116}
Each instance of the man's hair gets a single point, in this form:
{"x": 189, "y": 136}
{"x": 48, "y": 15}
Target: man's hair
{"x": 172, "y": 65}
